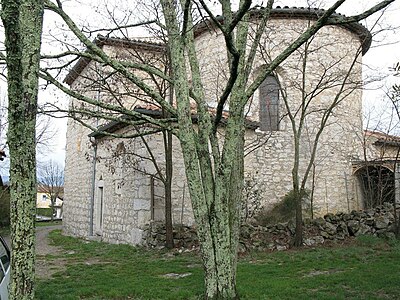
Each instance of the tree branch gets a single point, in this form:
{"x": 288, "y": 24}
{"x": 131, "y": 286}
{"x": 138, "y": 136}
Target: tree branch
{"x": 356, "y": 18}
{"x": 109, "y": 61}
{"x": 44, "y": 75}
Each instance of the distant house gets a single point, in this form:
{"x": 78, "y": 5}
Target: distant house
{"x": 375, "y": 170}
{"x": 43, "y": 201}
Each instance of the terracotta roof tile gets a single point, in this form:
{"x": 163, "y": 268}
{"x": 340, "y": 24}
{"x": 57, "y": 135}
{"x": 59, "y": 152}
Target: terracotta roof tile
{"x": 383, "y": 138}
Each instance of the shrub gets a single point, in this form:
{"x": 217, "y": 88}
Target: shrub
{"x": 4, "y": 206}
{"x": 283, "y": 211}
{"x": 45, "y": 212}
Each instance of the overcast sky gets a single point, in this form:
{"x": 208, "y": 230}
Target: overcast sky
{"x": 382, "y": 55}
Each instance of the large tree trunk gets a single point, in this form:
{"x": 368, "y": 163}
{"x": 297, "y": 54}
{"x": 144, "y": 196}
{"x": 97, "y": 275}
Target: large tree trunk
{"x": 22, "y": 22}
{"x": 216, "y": 201}
{"x": 215, "y": 181}
{"x": 218, "y": 228}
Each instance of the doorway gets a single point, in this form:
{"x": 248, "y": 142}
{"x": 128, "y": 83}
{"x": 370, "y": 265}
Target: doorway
{"x": 376, "y": 183}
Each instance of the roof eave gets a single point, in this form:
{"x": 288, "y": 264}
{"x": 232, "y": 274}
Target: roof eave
{"x": 114, "y": 126}
{"x": 100, "y": 41}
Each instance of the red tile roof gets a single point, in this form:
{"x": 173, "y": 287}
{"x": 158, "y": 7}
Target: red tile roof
{"x": 383, "y": 138}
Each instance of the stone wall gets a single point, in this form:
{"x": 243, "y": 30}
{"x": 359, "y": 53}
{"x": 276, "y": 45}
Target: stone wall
{"x": 78, "y": 181}
{"x": 339, "y": 143}
{"x": 89, "y": 175}
{"x": 331, "y": 227}
{"x": 122, "y": 189}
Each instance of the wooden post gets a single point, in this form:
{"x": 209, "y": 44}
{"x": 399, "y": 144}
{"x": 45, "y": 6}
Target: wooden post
{"x": 152, "y": 197}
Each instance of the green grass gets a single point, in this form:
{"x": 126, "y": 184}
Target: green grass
{"x": 48, "y": 223}
{"x": 102, "y": 271}
{"x": 365, "y": 269}
{"x": 5, "y": 231}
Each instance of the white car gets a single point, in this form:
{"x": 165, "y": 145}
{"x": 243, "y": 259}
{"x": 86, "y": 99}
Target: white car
{"x": 4, "y": 269}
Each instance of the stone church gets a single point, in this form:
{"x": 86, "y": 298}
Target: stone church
{"x": 112, "y": 189}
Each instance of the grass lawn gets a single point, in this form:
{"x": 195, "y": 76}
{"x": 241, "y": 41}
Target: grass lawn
{"x": 5, "y": 231}
{"x": 367, "y": 268}
{"x": 48, "y": 223}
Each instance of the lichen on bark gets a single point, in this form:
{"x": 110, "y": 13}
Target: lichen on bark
{"x": 22, "y": 22}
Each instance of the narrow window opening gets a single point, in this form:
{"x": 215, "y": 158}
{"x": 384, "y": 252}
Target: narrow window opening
{"x": 269, "y": 104}
{"x": 101, "y": 195}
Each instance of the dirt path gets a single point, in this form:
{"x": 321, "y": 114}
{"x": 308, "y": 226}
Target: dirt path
{"x": 45, "y": 269}
{"x": 42, "y": 242}
{"x": 43, "y": 248}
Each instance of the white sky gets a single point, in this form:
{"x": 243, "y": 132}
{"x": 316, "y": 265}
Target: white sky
{"x": 382, "y": 55}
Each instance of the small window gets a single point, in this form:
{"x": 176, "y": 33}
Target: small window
{"x": 44, "y": 198}
{"x": 269, "y": 104}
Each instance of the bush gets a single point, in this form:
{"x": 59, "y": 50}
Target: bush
{"x": 45, "y": 212}
{"x": 4, "y": 206}
{"x": 283, "y": 211}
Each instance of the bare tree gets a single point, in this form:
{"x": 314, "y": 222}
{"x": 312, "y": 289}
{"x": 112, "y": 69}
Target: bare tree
{"x": 312, "y": 84}
{"x": 51, "y": 182}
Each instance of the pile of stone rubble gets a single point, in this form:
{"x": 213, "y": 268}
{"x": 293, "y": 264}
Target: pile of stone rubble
{"x": 332, "y": 227}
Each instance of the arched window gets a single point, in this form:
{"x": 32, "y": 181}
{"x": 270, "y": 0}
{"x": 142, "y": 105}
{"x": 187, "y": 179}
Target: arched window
{"x": 377, "y": 185}
{"x": 269, "y": 104}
